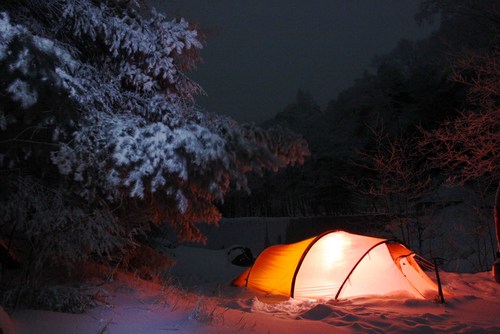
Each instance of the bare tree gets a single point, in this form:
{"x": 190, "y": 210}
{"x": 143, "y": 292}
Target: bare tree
{"x": 395, "y": 178}
{"x": 468, "y": 148}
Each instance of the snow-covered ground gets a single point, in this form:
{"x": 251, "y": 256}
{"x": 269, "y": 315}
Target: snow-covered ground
{"x": 199, "y": 300}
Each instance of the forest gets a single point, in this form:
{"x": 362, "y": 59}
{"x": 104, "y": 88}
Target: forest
{"x": 422, "y": 122}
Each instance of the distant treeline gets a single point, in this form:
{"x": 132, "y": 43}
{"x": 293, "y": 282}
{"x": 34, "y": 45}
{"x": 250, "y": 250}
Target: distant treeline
{"x": 408, "y": 90}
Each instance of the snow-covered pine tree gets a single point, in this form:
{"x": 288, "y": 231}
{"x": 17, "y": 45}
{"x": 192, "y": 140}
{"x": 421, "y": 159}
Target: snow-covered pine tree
{"x": 99, "y": 132}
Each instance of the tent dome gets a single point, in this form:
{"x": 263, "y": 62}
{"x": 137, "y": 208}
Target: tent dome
{"x": 337, "y": 264}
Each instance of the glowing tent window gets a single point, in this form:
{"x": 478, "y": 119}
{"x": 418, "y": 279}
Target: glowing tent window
{"x": 335, "y": 246}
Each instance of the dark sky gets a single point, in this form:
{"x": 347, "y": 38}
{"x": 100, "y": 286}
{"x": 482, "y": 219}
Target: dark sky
{"x": 260, "y": 52}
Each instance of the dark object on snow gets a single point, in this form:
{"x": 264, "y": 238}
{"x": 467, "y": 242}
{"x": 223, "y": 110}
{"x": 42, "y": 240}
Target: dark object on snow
{"x": 240, "y": 256}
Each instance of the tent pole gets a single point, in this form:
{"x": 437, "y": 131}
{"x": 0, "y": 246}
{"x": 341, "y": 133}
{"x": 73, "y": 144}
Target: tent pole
{"x": 440, "y": 288}
{"x": 356, "y": 265}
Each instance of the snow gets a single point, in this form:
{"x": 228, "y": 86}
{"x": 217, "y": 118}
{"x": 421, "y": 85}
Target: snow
{"x": 198, "y": 299}
{"x": 22, "y": 93}
{"x": 7, "y": 33}
{"x": 22, "y": 62}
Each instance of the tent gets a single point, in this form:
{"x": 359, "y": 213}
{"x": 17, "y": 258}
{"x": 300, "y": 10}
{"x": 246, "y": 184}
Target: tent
{"x": 336, "y": 265}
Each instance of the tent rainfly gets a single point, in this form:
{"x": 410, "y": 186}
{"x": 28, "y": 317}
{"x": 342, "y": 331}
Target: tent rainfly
{"x": 338, "y": 265}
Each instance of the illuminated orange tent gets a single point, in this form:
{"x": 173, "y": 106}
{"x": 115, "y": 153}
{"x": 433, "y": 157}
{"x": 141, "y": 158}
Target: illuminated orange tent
{"x": 335, "y": 265}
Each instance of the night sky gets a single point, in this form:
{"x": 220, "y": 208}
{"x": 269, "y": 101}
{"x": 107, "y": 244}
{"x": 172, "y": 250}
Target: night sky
{"x": 260, "y": 52}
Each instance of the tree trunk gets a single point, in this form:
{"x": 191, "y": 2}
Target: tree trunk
{"x": 496, "y": 216}
{"x": 496, "y": 264}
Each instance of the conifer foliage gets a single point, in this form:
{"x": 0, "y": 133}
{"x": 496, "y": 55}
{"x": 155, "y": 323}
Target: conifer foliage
{"x": 99, "y": 130}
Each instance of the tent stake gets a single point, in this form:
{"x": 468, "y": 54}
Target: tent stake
{"x": 440, "y": 288}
